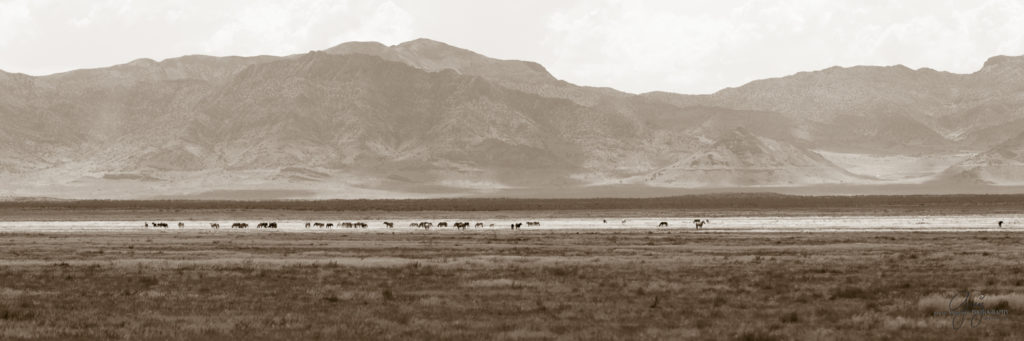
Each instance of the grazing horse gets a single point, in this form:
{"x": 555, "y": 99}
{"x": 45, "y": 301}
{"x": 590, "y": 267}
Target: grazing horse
{"x": 663, "y": 224}
{"x": 261, "y": 225}
{"x": 330, "y": 225}
{"x": 479, "y": 225}
{"x": 318, "y": 225}
{"x": 414, "y": 225}
{"x": 346, "y": 224}
{"x": 272, "y": 225}
{"x": 442, "y": 224}
{"x": 164, "y": 225}
{"x": 214, "y": 225}
{"x": 389, "y": 224}
{"x": 699, "y": 223}
{"x": 181, "y": 225}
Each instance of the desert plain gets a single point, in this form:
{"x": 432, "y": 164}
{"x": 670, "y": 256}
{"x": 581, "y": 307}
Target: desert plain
{"x": 538, "y": 283}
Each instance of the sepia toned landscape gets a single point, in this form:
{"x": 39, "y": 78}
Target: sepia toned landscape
{"x": 511, "y": 170}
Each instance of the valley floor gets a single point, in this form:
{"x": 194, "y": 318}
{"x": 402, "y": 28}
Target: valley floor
{"x": 500, "y": 284}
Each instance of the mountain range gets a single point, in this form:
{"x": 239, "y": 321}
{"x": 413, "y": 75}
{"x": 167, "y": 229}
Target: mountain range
{"x": 426, "y": 119}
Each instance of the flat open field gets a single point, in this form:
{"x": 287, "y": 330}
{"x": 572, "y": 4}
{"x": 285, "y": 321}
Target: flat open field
{"x": 500, "y": 221}
{"x": 539, "y": 283}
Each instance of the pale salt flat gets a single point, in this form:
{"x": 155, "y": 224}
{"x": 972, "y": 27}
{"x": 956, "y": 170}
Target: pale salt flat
{"x": 944, "y": 223}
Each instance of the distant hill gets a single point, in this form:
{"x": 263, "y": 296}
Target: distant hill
{"x": 426, "y": 119}
{"x": 1000, "y": 165}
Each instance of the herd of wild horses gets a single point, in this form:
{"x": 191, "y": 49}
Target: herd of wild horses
{"x": 426, "y": 225}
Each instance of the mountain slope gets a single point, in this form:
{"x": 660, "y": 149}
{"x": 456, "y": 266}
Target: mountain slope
{"x": 365, "y": 119}
{"x": 737, "y": 158}
{"x": 1003, "y": 164}
{"x": 524, "y": 76}
{"x": 888, "y": 109}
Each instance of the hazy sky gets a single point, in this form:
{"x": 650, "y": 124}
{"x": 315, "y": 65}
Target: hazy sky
{"x": 637, "y": 46}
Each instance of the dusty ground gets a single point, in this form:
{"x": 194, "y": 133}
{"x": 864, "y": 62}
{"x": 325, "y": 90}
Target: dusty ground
{"x": 498, "y": 284}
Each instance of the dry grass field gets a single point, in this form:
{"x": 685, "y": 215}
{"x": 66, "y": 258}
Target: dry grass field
{"x": 498, "y": 284}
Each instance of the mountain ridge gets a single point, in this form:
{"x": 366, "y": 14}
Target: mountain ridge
{"x": 362, "y": 119}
